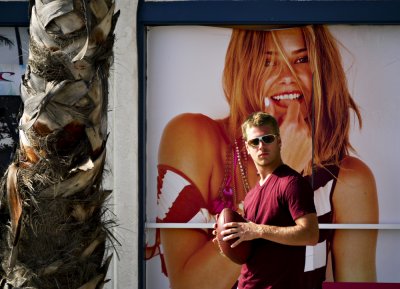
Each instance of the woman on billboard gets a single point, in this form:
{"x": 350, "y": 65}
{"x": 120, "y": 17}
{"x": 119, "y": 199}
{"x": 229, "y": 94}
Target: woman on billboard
{"x": 295, "y": 74}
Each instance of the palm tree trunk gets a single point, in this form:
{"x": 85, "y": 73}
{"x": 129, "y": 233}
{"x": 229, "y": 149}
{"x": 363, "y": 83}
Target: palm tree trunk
{"x": 57, "y": 223}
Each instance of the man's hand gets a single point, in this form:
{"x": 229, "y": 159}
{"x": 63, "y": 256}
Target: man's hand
{"x": 242, "y": 231}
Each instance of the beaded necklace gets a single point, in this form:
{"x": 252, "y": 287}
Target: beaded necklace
{"x": 227, "y": 195}
{"x": 243, "y": 168}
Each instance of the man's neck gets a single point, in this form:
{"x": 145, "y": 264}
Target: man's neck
{"x": 266, "y": 171}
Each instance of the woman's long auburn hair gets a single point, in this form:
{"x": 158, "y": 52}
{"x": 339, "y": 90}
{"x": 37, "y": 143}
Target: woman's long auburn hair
{"x": 244, "y": 77}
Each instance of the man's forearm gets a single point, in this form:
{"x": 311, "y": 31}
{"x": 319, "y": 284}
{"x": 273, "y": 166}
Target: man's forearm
{"x": 305, "y": 232}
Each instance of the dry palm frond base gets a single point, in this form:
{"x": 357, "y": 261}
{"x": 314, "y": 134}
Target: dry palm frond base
{"x": 55, "y": 222}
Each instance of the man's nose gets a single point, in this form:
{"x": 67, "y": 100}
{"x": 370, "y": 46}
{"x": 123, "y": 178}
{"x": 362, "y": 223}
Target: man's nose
{"x": 261, "y": 144}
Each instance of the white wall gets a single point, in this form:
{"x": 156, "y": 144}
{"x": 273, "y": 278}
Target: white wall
{"x": 123, "y": 150}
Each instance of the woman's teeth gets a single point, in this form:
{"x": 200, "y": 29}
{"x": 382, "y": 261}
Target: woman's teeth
{"x": 286, "y": 96}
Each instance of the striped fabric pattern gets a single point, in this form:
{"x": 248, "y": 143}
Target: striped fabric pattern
{"x": 323, "y": 182}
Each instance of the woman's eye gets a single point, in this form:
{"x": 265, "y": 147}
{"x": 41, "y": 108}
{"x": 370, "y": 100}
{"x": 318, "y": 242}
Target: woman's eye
{"x": 270, "y": 62}
{"x": 303, "y": 59}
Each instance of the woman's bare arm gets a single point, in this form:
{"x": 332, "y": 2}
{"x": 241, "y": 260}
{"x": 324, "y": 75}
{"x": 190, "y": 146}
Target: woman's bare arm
{"x": 355, "y": 201}
{"x": 191, "y": 144}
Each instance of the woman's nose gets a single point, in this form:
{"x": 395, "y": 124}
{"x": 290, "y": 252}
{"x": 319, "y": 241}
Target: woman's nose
{"x": 286, "y": 75}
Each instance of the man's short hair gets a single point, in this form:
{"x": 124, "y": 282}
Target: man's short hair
{"x": 258, "y": 119}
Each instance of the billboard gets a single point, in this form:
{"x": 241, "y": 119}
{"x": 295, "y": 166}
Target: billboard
{"x": 185, "y": 73}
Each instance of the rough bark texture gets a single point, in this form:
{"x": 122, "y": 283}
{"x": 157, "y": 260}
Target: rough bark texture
{"x": 55, "y": 224}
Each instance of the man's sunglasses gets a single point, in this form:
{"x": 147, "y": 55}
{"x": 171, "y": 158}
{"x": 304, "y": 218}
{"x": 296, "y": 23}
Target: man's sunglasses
{"x": 267, "y": 139}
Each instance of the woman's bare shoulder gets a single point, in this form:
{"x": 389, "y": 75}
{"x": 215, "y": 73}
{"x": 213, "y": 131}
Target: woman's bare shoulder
{"x": 194, "y": 129}
{"x": 190, "y": 140}
{"x": 355, "y": 171}
{"x": 355, "y": 198}
{"x": 190, "y": 121}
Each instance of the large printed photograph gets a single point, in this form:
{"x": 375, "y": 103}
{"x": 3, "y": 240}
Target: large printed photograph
{"x": 334, "y": 92}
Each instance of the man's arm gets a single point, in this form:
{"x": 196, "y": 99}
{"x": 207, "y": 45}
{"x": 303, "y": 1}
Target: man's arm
{"x": 305, "y": 232}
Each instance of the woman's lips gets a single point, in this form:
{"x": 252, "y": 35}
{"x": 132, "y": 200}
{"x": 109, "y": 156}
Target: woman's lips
{"x": 278, "y": 103}
{"x": 283, "y": 99}
{"x": 291, "y": 96}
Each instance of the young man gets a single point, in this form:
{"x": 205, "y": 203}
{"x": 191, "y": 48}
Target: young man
{"x": 280, "y": 210}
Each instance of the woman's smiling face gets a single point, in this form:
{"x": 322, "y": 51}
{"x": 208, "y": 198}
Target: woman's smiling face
{"x": 283, "y": 86}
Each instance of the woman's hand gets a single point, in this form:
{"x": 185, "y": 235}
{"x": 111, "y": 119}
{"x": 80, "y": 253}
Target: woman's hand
{"x": 296, "y": 147}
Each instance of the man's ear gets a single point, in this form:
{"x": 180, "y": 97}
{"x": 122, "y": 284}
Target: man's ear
{"x": 247, "y": 147}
